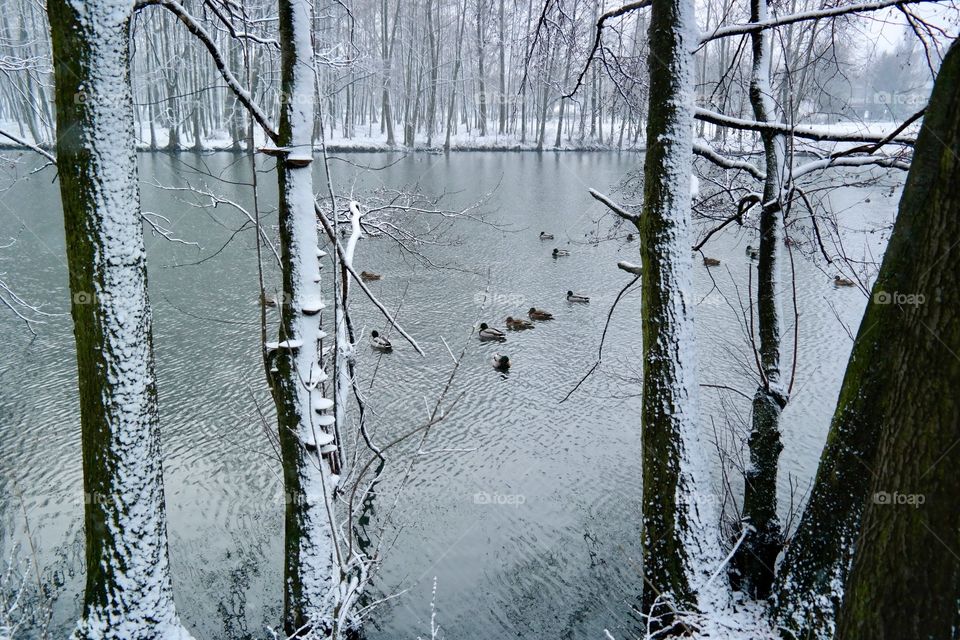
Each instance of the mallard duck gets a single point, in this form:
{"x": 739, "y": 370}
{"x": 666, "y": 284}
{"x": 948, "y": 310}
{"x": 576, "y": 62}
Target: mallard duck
{"x": 501, "y": 363}
{"x": 518, "y": 324}
{"x": 710, "y": 262}
{"x": 539, "y": 314}
{"x": 752, "y": 253}
{"x": 843, "y": 282}
{"x": 369, "y": 276}
{"x": 546, "y": 236}
{"x": 558, "y": 253}
{"x": 380, "y": 343}
{"x": 576, "y": 297}
{"x": 489, "y": 333}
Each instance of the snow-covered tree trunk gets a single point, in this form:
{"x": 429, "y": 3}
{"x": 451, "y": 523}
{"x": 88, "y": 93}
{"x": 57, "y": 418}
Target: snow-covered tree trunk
{"x": 128, "y": 591}
{"x": 311, "y": 573}
{"x": 752, "y": 567}
{"x": 676, "y": 542}
{"x": 886, "y": 373}
{"x": 905, "y": 579}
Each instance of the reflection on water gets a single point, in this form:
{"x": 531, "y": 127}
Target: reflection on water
{"x": 525, "y": 510}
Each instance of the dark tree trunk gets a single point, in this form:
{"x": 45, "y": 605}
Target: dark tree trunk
{"x": 900, "y": 355}
{"x": 753, "y": 565}
{"x": 676, "y": 543}
{"x": 128, "y": 592}
{"x": 905, "y": 579}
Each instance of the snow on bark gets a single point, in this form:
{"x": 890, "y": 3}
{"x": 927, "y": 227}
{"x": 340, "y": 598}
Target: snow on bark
{"x": 311, "y": 571}
{"x": 753, "y": 567}
{"x": 679, "y": 538}
{"x": 129, "y": 593}
{"x": 345, "y": 349}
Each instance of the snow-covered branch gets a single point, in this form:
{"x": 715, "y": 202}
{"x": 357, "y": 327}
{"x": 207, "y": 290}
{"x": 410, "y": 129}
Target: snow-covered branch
{"x": 808, "y": 132}
{"x": 613, "y": 206}
{"x": 803, "y": 16}
{"x": 708, "y": 153}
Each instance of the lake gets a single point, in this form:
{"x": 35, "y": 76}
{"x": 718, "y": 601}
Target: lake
{"x": 522, "y": 511}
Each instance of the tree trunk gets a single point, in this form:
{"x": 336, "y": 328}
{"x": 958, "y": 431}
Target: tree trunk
{"x": 458, "y": 61}
{"x": 752, "y": 567}
{"x": 889, "y": 365}
{"x": 907, "y": 551}
{"x": 502, "y": 98}
{"x": 481, "y": 72}
{"x": 676, "y": 544}
{"x": 128, "y": 592}
{"x": 310, "y": 570}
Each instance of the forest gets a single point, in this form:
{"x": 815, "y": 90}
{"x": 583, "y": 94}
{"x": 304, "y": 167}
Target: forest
{"x": 340, "y": 319}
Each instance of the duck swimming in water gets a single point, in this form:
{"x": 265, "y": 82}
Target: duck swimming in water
{"x": 518, "y": 324}
{"x": 379, "y": 343}
{"x": 489, "y": 333}
{"x": 576, "y": 297}
{"x": 369, "y": 276}
{"x": 539, "y": 314}
{"x": 546, "y": 236}
{"x": 500, "y": 362}
{"x": 559, "y": 253}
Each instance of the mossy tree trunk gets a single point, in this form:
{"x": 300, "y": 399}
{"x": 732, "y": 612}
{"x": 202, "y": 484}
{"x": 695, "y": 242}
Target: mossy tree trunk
{"x": 752, "y": 566}
{"x": 905, "y": 579}
{"x": 128, "y": 591}
{"x": 676, "y": 542}
{"x": 899, "y": 390}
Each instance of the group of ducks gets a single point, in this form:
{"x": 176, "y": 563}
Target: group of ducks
{"x": 486, "y": 333}
{"x": 754, "y": 254}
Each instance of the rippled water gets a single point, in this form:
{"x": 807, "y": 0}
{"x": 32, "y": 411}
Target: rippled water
{"x": 525, "y": 511}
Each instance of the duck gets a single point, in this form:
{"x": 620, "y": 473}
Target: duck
{"x": 559, "y": 253}
{"x": 576, "y": 297}
{"x": 546, "y": 236}
{"x": 518, "y": 324}
{"x": 501, "y": 362}
{"x": 752, "y": 253}
{"x": 539, "y": 314}
{"x": 710, "y": 262}
{"x": 380, "y": 343}
{"x": 369, "y": 276}
{"x": 268, "y": 299}
{"x": 489, "y": 333}
{"x": 843, "y": 282}
{"x": 629, "y": 237}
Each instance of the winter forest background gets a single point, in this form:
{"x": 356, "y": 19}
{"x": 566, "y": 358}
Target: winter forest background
{"x": 479, "y": 319}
